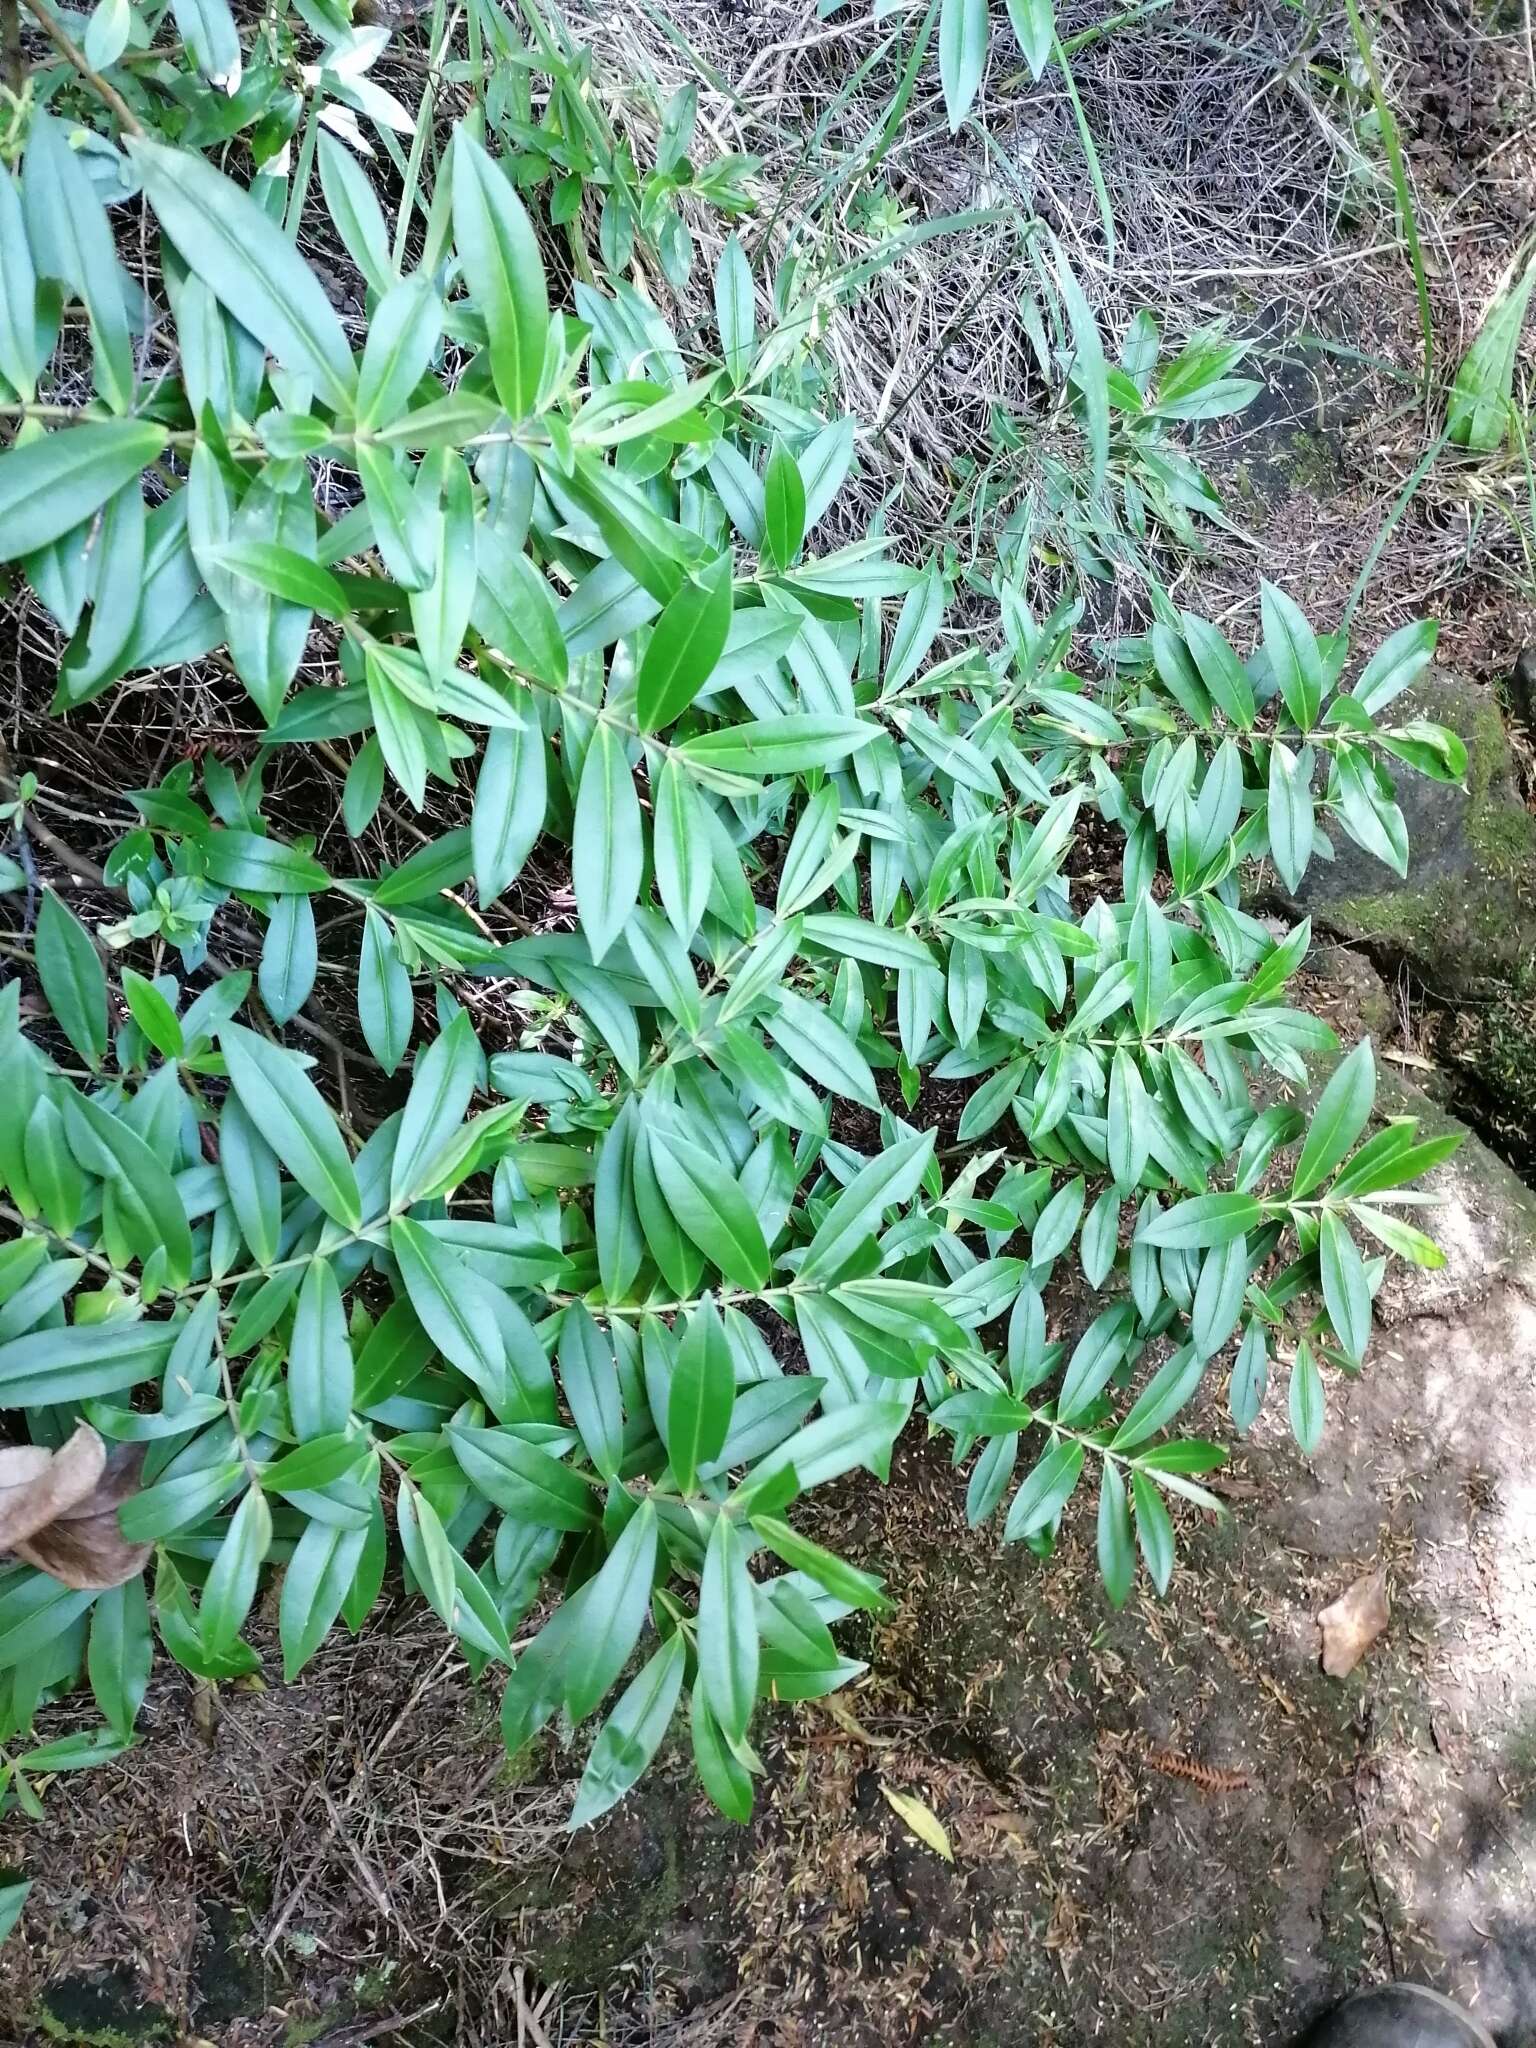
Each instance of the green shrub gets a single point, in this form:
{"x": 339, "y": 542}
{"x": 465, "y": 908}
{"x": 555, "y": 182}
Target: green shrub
{"x": 553, "y": 580}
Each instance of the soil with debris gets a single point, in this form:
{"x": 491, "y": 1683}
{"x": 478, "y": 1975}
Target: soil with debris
{"x": 1165, "y": 1827}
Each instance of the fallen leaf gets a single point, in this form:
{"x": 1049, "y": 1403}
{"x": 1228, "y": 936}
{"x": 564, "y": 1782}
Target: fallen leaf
{"x": 1353, "y": 1623}
{"x": 1021, "y": 1825}
{"x": 922, "y": 1820}
{"x": 852, "y": 1725}
{"x": 37, "y": 1484}
{"x": 58, "y": 1510}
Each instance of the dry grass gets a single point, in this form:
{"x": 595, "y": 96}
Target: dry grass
{"x": 1246, "y": 185}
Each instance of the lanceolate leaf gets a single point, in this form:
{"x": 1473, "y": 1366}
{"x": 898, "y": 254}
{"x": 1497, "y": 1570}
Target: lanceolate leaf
{"x": 441, "y": 1086}
{"x": 73, "y": 981}
{"x": 886, "y": 1181}
{"x": 504, "y": 271}
{"x": 249, "y": 264}
{"x": 48, "y": 485}
{"x": 510, "y": 799}
{"x": 735, "y": 309}
{"x": 608, "y": 853}
{"x": 701, "y": 1395}
{"x": 285, "y": 1106}
{"x": 783, "y": 508}
{"x": 1342, "y": 1112}
{"x": 962, "y": 54}
{"x": 712, "y": 1209}
{"x": 728, "y": 1643}
{"x": 613, "y": 1613}
{"x": 320, "y": 1371}
{"x": 632, "y": 1733}
{"x": 686, "y": 642}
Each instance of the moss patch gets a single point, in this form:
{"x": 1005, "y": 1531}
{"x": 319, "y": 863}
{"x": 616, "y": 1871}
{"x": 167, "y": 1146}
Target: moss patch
{"x": 103, "y": 2010}
{"x": 656, "y": 1863}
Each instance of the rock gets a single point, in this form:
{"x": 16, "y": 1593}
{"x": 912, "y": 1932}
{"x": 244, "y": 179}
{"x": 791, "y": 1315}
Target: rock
{"x": 1466, "y": 914}
{"x": 1483, "y": 1219}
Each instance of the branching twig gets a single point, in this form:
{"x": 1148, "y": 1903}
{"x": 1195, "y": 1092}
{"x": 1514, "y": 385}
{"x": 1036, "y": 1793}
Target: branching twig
{"x": 69, "y": 49}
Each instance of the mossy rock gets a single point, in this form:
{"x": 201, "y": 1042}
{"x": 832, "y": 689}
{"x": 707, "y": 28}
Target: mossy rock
{"x": 1465, "y": 917}
{"x": 102, "y": 2009}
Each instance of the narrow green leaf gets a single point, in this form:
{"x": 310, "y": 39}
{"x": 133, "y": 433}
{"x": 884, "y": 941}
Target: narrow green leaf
{"x": 73, "y": 978}
{"x": 1045, "y": 1492}
{"x": 613, "y": 1614}
{"x": 231, "y": 1583}
{"x": 589, "y": 1378}
{"x": 1346, "y": 1289}
{"x": 386, "y": 1008}
{"x": 1306, "y": 1399}
{"x": 249, "y": 264}
{"x": 455, "y": 1307}
{"x": 783, "y": 508}
{"x": 120, "y": 1654}
{"x": 320, "y": 1370}
{"x": 523, "y": 1481}
{"x": 1342, "y": 1112}
{"x": 511, "y": 798}
{"x": 50, "y": 485}
{"x": 685, "y": 646}
{"x": 727, "y": 1631}
{"x": 1202, "y": 1221}
{"x": 735, "y": 310}
{"x": 1117, "y": 1554}
{"x": 289, "y": 957}
{"x": 442, "y": 1082}
{"x": 500, "y": 257}
{"x": 153, "y": 1014}
{"x": 963, "y": 29}
{"x": 842, "y": 1580}
{"x": 608, "y": 842}
{"x": 1294, "y": 655}
{"x": 315, "y": 1583}
{"x": 701, "y": 1396}
{"x": 683, "y": 864}
{"x": 285, "y": 1106}
{"x": 1154, "y": 1530}
{"x": 887, "y": 1181}
{"x": 723, "y": 1775}
{"x": 709, "y": 1205}
{"x": 633, "y": 1732}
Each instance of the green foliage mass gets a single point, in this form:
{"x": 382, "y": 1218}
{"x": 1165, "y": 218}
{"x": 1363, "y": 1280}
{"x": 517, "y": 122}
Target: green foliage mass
{"x": 551, "y": 574}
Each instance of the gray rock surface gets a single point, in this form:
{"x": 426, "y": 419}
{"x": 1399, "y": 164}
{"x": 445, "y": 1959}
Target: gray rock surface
{"x": 1466, "y": 914}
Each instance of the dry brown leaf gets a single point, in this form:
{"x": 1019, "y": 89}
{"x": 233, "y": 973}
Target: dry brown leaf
{"x": 37, "y": 1485}
{"x": 58, "y": 1510}
{"x": 852, "y": 1725}
{"x": 1353, "y": 1623}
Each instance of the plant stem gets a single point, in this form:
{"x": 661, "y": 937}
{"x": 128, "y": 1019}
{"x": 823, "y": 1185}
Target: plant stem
{"x": 69, "y": 49}
{"x": 13, "y": 65}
